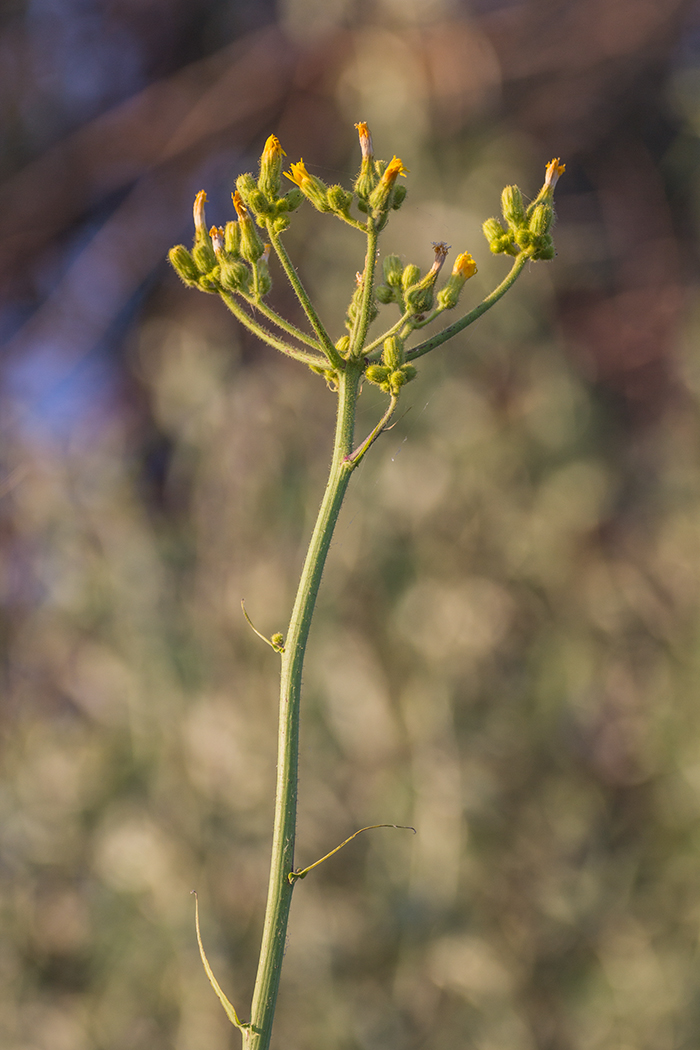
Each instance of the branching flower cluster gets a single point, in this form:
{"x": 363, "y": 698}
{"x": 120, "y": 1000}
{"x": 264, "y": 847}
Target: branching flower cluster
{"x": 233, "y": 262}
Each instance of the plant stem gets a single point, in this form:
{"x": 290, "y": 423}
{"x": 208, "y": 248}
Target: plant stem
{"x": 257, "y": 1037}
{"x": 486, "y": 304}
{"x": 314, "y": 320}
{"x": 269, "y": 337}
{"x": 359, "y": 332}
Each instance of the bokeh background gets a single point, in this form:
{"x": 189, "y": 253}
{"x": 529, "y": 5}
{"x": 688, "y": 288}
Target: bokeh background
{"x": 507, "y": 647}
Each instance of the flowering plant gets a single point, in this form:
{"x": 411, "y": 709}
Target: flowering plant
{"x": 233, "y": 262}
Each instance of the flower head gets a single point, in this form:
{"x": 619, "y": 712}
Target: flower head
{"x": 273, "y": 150}
{"x": 217, "y": 238}
{"x": 441, "y": 249}
{"x": 394, "y": 168}
{"x": 312, "y": 188}
{"x": 464, "y": 266}
{"x": 200, "y": 220}
{"x": 299, "y": 175}
{"x": 365, "y": 140}
{"x": 271, "y": 168}
{"x": 553, "y": 172}
{"x": 238, "y": 204}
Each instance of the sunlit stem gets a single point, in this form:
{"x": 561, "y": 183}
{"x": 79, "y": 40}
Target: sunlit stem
{"x": 268, "y": 337}
{"x": 359, "y": 331}
{"x": 473, "y": 315}
{"x": 280, "y": 321}
{"x": 314, "y": 320}
{"x": 257, "y": 1037}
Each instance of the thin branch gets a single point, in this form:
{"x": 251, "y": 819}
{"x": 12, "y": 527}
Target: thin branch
{"x": 262, "y": 333}
{"x": 486, "y": 304}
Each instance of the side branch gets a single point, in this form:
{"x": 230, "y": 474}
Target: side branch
{"x": 314, "y": 320}
{"x": 267, "y": 337}
{"x": 490, "y": 300}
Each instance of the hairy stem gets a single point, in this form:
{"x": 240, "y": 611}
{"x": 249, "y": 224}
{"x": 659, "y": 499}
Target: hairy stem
{"x": 269, "y": 337}
{"x": 301, "y": 294}
{"x": 257, "y": 1037}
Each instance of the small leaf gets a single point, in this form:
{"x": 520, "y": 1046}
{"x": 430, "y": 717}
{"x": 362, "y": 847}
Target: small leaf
{"x": 228, "y": 1006}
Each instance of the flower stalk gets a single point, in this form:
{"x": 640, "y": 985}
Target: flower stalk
{"x": 233, "y": 263}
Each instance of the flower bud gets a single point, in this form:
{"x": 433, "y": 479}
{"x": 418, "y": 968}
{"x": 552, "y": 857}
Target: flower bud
{"x": 541, "y": 219}
{"x": 343, "y": 345}
{"x": 252, "y": 246}
{"x": 313, "y": 189}
{"x": 377, "y": 374}
{"x": 293, "y": 198}
{"x": 246, "y": 184}
{"x": 393, "y": 353}
{"x": 499, "y": 239}
{"x": 385, "y": 294}
{"x": 368, "y": 177}
{"x": 379, "y": 197}
{"x": 270, "y": 179}
{"x": 184, "y": 265}
{"x": 419, "y": 297}
{"x": 203, "y": 255}
{"x": 392, "y": 270}
{"x": 464, "y": 268}
{"x": 232, "y": 237}
{"x": 263, "y": 270}
{"x": 512, "y": 207}
{"x": 398, "y": 197}
{"x": 553, "y": 173}
{"x": 339, "y": 199}
{"x": 410, "y": 276}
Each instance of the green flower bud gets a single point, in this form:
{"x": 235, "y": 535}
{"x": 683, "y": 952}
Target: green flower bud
{"x": 398, "y": 197}
{"x": 385, "y": 294}
{"x": 232, "y": 237}
{"x": 235, "y": 275}
{"x": 343, "y": 345}
{"x": 410, "y": 276}
{"x": 277, "y": 639}
{"x": 377, "y": 374}
{"x": 339, "y": 199}
{"x": 499, "y": 240}
{"x": 252, "y": 246}
{"x": 246, "y": 184}
{"x": 184, "y": 265}
{"x": 203, "y": 255}
{"x": 513, "y": 207}
{"x": 263, "y": 271}
{"x": 393, "y": 353}
{"x": 392, "y": 270}
{"x": 541, "y": 219}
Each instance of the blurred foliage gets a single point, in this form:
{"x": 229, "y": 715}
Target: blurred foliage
{"x": 506, "y": 650}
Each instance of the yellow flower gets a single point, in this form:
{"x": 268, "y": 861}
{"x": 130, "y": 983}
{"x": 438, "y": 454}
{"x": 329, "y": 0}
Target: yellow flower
{"x": 238, "y": 204}
{"x": 553, "y": 172}
{"x": 464, "y": 266}
{"x": 365, "y": 140}
{"x": 299, "y": 175}
{"x": 394, "y": 168}
{"x": 273, "y": 150}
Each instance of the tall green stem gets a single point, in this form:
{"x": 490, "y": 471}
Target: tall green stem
{"x": 257, "y": 1037}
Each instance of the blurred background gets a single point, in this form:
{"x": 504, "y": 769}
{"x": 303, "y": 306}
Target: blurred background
{"x": 506, "y": 654}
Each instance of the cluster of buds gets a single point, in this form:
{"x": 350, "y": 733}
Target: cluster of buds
{"x": 414, "y": 294}
{"x": 526, "y": 229}
{"x": 375, "y": 186}
{"x": 228, "y": 259}
{"x": 393, "y": 372}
